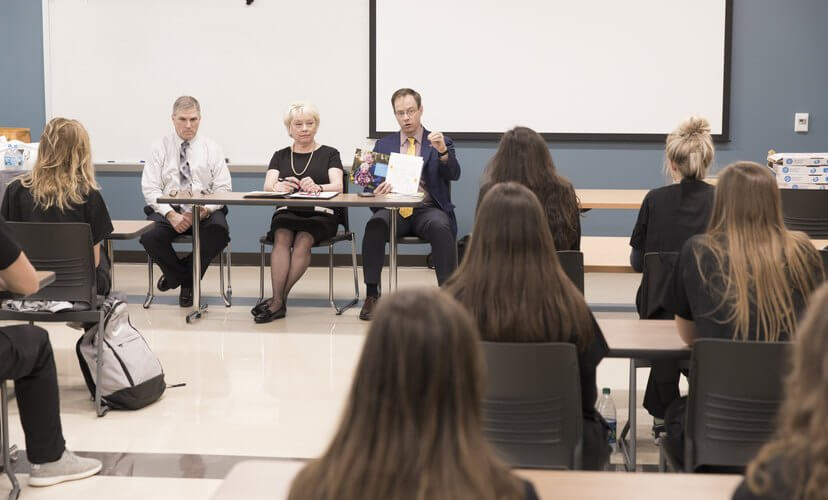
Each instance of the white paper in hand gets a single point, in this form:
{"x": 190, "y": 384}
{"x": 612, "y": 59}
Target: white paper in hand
{"x": 404, "y": 173}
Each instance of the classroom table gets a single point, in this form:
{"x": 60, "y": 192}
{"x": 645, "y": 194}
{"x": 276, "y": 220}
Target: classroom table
{"x": 271, "y": 479}
{"x": 392, "y": 202}
{"x": 641, "y": 340}
{"x": 624, "y": 199}
{"x": 124, "y": 230}
{"x": 44, "y": 279}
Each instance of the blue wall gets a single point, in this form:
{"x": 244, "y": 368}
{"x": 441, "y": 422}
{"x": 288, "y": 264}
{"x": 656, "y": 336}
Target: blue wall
{"x": 778, "y": 68}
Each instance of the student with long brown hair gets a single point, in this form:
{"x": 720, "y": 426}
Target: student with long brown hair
{"x": 746, "y": 278}
{"x": 523, "y": 157}
{"x": 62, "y": 188}
{"x": 513, "y": 285}
{"x": 669, "y": 216}
{"x": 412, "y": 426}
{"x": 794, "y": 465}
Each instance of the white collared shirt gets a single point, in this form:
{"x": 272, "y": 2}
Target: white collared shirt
{"x": 161, "y": 171}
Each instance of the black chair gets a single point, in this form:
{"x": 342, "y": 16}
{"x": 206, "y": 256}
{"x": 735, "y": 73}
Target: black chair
{"x": 532, "y": 408}
{"x": 9, "y": 452}
{"x": 657, "y": 270}
{"x": 65, "y": 249}
{"x": 732, "y": 407}
{"x": 226, "y": 294}
{"x": 824, "y": 254}
{"x": 344, "y": 235}
{"x": 572, "y": 262}
{"x": 806, "y": 210}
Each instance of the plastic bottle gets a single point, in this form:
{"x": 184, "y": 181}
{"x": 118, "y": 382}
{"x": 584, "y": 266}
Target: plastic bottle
{"x": 606, "y": 407}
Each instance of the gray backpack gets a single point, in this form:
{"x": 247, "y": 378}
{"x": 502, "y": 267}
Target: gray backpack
{"x": 131, "y": 375}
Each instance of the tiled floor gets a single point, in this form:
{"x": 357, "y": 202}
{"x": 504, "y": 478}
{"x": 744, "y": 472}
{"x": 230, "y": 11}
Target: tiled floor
{"x": 272, "y": 390}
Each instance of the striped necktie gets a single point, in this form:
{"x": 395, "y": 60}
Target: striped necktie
{"x": 185, "y": 175}
{"x": 405, "y": 212}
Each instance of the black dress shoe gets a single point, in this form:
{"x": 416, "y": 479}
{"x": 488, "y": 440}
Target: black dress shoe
{"x": 164, "y": 285}
{"x": 368, "y": 306}
{"x": 185, "y": 297}
{"x": 267, "y": 316}
{"x": 260, "y": 308}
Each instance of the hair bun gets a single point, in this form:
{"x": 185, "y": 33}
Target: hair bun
{"x": 694, "y": 125}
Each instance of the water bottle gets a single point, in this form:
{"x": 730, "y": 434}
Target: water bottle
{"x": 606, "y": 407}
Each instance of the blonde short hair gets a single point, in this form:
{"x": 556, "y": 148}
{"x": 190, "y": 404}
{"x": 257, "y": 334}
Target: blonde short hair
{"x": 300, "y": 108}
{"x": 690, "y": 148}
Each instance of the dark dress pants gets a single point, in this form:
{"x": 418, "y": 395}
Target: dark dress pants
{"x": 429, "y": 223}
{"x": 662, "y": 386}
{"x": 214, "y": 235}
{"x": 26, "y": 357}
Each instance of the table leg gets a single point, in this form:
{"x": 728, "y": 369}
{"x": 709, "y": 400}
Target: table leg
{"x": 198, "y": 309}
{"x": 110, "y": 252}
{"x": 392, "y": 250}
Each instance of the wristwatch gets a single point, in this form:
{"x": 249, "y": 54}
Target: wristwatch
{"x": 444, "y": 153}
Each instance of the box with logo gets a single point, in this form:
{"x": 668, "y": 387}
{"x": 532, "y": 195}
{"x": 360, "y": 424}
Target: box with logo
{"x": 802, "y": 179}
{"x": 792, "y": 185}
{"x": 802, "y": 170}
{"x": 798, "y": 159}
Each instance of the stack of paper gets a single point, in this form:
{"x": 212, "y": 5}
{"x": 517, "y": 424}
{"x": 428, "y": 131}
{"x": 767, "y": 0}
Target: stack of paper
{"x": 800, "y": 170}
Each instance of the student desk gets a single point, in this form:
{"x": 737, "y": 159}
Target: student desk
{"x": 641, "y": 340}
{"x": 44, "y": 279}
{"x": 624, "y": 199}
{"x": 390, "y": 201}
{"x": 124, "y": 230}
{"x": 270, "y": 480}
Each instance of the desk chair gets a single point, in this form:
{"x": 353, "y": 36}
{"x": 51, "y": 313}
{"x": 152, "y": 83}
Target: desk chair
{"x": 731, "y": 409}
{"x": 226, "y": 294}
{"x": 65, "y": 249}
{"x": 824, "y": 253}
{"x": 806, "y": 210}
{"x": 9, "y": 452}
{"x": 572, "y": 262}
{"x": 344, "y": 235}
{"x": 657, "y": 270}
{"x": 532, "y": 407}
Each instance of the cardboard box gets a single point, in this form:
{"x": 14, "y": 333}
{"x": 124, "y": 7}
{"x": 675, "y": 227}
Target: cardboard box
{"x": 801, "y": 170}
{"x": 802, "y": 179}
{"x": 791, "y": 185}
{"x": 798, "y": 159}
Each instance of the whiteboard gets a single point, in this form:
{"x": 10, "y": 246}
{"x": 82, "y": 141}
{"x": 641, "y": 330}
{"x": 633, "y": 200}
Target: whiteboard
{"x": 118, "y": 65}
{"x": 598, "y": 69}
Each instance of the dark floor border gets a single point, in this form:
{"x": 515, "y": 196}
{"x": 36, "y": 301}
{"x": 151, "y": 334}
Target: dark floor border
{"x": 253, "y": 259}
{"x": 190, "y": 466}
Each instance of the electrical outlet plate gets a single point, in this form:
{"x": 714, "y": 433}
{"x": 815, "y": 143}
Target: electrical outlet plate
{"x": 800, "y": 122}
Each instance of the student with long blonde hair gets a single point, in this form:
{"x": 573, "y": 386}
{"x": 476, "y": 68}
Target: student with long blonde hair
{"x": 513, "y": 285}
{"x": 668, "y": 217}
{"x": 62, "y": 188}
{"x": 746, "y": 278}
{"x": 794, "y": 465}
{"x": 412, "y": 426}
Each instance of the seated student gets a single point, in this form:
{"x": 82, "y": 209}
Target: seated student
{"x": 510, "y": 276}
{"x": 26, "y": 357}
{"x": 412, "y": 425}
{"x": 670, "y": 215}
{"x": 523, "y": 157}
{"x": 795, "y": 463}
{"x": 746, "y": 278}
{"x": 61, "y": 188}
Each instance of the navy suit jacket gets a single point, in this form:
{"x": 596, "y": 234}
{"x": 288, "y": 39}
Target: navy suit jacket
{"x": 437, "y": 175}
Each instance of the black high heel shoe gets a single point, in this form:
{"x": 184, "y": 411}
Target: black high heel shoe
{"x": 266, "y": 316}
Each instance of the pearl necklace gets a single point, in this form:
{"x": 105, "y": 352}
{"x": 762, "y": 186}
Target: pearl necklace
{"x": 306, "y": 165}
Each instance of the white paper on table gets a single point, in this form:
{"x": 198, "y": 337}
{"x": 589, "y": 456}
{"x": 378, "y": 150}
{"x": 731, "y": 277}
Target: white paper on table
{"x": 404, "y": 173}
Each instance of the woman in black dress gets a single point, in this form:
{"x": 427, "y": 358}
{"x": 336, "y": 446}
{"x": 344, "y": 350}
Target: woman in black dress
{"x": 308, "y": 167}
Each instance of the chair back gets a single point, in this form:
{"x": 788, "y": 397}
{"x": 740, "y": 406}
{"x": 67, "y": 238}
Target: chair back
{"x": 806, "y": 210}
{"x": 658, "y": 268}
{"x": 532, "y": 407}
{"x": 732, "y": 405}
{"x": 572, "y": 262}
{"x": 64, "y": 248}
{"x": 824, "y": 254}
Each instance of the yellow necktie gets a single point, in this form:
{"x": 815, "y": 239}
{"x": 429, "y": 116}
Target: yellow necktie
{"x": 405, "y": 212}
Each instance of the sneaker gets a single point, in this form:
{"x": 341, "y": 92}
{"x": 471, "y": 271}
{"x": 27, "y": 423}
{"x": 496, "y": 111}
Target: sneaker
{"x": 69, "y": 468}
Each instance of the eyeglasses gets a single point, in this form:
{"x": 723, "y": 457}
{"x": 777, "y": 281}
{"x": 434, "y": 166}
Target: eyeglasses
{"x": 407, "y": 112}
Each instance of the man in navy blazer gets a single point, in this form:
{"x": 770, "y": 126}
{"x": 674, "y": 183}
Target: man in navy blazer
{"x": 434, "y": 221}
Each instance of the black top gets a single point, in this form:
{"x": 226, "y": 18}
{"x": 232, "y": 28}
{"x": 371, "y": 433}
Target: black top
{"x": 670, "y": 215}
{"x": 779, "y": 489}
{"x": 695, "y": 298}
{"x": 9, "y": 249}
{"x": 324, "y": 158}
{"x": 587, "y": 363}
{"x": 19, "y": 206}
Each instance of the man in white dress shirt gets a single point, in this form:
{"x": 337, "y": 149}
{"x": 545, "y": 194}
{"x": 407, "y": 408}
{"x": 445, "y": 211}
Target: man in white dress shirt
{"x": 184, "y": 162}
